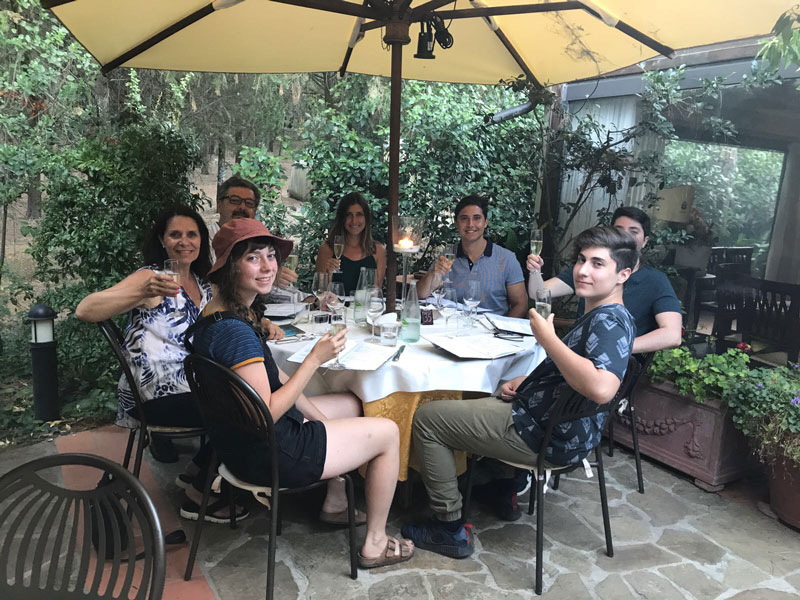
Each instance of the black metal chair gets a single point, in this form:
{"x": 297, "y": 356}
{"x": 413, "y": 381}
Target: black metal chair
{"x": 57, "y": 542}
{"x": 227, "y": 400}
{"x": 629, "y": 411}
{"x": 115, "y": 339}
{"x": 569, "y": 406}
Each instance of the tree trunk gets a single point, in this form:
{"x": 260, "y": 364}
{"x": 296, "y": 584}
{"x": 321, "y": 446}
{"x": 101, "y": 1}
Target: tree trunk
{"x": 220, "y": 161}
{"x": 3, "y": 229}
{"x": 34, "y": 209}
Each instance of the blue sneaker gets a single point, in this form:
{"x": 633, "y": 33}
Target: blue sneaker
{"x": 433, "y": 536}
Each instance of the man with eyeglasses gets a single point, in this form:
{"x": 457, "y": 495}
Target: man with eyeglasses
{"x": 238, "y": 198}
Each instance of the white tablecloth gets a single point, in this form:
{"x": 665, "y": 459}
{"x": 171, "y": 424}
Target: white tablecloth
{"x": 422, "y": 367}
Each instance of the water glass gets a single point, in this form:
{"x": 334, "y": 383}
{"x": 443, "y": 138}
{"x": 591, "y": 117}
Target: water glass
{"x": 320, "y": 322}
{"x": 338, "y": 324}
{"x": 389, "y": 333}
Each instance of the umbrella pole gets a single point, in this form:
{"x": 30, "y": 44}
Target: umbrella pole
{"x": 397, "y": 37}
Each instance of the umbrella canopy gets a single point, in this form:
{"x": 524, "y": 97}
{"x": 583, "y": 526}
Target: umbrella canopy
{"x": 546, "y": 41}
{"x": 562, "y": 41}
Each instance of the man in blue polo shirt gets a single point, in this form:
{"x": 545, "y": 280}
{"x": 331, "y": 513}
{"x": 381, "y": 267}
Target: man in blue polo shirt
{"x": 498, "y": 270}
{"x": 648, "y": 295}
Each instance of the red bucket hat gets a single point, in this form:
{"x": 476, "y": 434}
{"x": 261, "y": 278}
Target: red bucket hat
{"x": 237, "y": 230}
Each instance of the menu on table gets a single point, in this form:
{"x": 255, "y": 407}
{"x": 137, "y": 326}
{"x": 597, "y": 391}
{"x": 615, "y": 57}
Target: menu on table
{"x": 356, "y": 356}
{"x": 474, "y": 346}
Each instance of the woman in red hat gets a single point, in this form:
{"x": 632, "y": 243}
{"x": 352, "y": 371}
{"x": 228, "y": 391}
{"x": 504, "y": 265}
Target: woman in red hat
{"x": 320, "y": 437}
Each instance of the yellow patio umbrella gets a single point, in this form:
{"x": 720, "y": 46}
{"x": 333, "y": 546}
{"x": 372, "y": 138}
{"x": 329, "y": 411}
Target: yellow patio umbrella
{"x": 548, "y": 42}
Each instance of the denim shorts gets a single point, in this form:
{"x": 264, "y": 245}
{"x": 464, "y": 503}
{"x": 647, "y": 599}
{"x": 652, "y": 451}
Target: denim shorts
{"x": 301, "y": 453}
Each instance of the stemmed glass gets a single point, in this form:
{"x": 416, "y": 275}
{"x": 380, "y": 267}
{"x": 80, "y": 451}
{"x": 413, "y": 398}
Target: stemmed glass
{"x": 437, "y": 294}
{"x": 450, "y": 256}
{"x": 449, "y": 305}
{"x": 374, "y": 310}
{"x": 338, "y": 323}
{"x": 291, "y": 264}
{"x": 171, "y": 269}
{"x": 338, "y": 250}
{"x": 536, "y": 243}
{"x": 320, "y": 286}
{"x": 472, "y": 296}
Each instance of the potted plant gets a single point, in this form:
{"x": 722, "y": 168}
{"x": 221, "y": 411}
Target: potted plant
{"x": 765, "y": 405}
{"x": 682, "y": 420}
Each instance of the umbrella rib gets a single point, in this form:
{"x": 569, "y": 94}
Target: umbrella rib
{"x": 351, "y": 43}
{"x": 517, "y": 9}
{"x": 422, "y": 10}
{"x": 513, "y": 52}
{"x": 645, "y": 39}
{"x": 337, "y": 6}
{"x": 159, "y": 37}
{"x": 49, "y": 4}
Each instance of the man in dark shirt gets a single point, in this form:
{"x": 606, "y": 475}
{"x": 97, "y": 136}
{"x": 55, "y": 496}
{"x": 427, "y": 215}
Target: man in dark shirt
{"x": 592, "y": 358}
{"x": 648, "y": 294}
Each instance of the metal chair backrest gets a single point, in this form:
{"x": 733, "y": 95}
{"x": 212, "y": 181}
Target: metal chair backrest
{"x": 716, "y": 257}
{"x": 227, "y": 402}
{"x": 772, "y": 314}
{"x": 116, "y": 340}
{"x": 740, "y": 255}
{"x": 57, "y": 542}
{"x": 571, "y": 406}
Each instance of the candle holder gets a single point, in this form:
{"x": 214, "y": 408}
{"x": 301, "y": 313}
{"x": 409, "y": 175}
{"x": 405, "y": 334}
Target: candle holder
{"x": 406, "y": 240}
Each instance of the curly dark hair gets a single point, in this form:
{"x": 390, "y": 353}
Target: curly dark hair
{"x": 226, "y": 280}
{"x": 366, "y": 242}
{"x": 153, "y": 250}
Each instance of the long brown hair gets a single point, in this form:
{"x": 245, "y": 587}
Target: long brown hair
{"x": 365, "y": 242}
{"x": 226, "y": 280}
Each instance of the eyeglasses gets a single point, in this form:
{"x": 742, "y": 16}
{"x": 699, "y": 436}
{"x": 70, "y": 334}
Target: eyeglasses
{"x": 508, "y": 336}
{"x": 236, "y": 201}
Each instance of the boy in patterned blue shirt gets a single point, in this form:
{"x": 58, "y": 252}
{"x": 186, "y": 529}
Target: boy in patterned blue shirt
{"x": 592, "y": 358}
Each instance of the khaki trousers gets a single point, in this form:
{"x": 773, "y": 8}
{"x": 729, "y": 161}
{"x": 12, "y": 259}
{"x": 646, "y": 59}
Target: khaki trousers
{"x": 482, "y": 426}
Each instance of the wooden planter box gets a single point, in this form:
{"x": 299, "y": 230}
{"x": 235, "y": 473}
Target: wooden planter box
{"x": 697, "y": 439}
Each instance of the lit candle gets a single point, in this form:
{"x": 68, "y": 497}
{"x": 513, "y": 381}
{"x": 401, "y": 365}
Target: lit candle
{"x": 405, "y": 244}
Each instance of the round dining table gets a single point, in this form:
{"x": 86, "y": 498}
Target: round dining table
{"x": 422, "y": 373}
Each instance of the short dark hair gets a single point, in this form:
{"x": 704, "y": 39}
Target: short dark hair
{"x": 154, "y": 252}
{"x": 481, "y": 202}
{"x": 236, "y": 181}
{"x": 621, "y": 246}
{"x": 634, "y": 213}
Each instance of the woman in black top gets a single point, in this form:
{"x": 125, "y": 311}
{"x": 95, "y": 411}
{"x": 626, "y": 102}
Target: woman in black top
{"x": 354, "y": 223}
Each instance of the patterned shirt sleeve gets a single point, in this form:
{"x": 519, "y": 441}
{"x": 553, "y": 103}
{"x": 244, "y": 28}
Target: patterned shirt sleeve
{"x": 610, "y": 341}
{"x": 234, "y": 344}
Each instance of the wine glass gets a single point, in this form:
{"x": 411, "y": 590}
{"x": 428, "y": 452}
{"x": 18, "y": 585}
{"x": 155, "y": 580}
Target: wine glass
{"x": 374, "y": 310}
{"x": 437, "y": 294}
{"x": 536, "y": 243}
{"x": 543, "y": 302}
{"x": 338, "y": 250}
{"x": 320, "y": 287}
{"x": 472, "y": 295}
{"x": 171, "y": 269}
{"x": 338, "y": 323}
{"x": 451, "y": 257}
{"x": 449, "y": 305}
{"x": 291, "y": 264}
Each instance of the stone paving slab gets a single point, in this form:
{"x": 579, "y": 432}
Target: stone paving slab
{"x": 675, "y": 541}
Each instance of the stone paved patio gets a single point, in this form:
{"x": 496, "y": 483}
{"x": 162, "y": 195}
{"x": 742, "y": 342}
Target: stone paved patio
{"x": 675, "y": 541}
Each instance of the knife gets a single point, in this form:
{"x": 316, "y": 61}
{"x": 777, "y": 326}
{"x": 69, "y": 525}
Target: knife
{"x": 397, "y": 354}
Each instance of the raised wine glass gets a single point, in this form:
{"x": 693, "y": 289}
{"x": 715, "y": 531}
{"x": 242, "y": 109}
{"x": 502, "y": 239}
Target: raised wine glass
{"x": 338, "y": 250}
{"x": 536, "y": 243}
{"x": 171, "y": 269}
{"x": 374, "y": 310}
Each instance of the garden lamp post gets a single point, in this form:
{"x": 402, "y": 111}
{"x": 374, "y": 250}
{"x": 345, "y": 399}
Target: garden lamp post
{"x": 44, "y": 362}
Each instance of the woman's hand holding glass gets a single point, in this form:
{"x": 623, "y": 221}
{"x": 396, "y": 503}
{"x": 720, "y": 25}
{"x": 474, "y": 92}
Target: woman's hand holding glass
{"x": 338, "y": 326}
{"x": 534, "y": 263}
{"x": 329, "y": 346}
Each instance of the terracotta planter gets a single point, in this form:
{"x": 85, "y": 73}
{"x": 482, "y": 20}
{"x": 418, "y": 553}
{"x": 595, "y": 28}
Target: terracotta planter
{"x": 697, "y": 439}
{"x": 784, "y": 491}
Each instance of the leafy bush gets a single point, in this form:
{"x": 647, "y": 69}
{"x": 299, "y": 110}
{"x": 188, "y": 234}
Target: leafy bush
{"x": 100, "y": 199}
{"x": 703, "y": 377}
{"x": 766, "y": 408}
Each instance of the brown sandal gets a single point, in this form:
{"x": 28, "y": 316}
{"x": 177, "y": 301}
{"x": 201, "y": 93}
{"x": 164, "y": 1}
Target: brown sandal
{"x": 397, "y": 550}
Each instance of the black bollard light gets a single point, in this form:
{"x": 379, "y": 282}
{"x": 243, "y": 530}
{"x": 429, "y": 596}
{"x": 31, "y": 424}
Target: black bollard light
{"x": 44, "y": 363}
